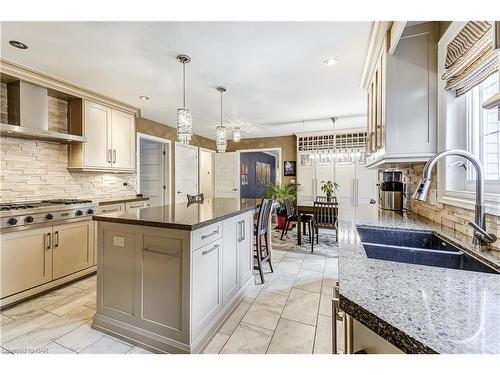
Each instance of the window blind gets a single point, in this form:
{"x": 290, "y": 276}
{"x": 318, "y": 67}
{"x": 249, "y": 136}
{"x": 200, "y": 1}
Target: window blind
{"x": 470, "y": 57}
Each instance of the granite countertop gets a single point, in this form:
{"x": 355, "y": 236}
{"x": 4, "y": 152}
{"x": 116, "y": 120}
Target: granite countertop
{"x": 115, "y": 200}
{"x": 419, "y": 309}
{"x": 182, "y": 216}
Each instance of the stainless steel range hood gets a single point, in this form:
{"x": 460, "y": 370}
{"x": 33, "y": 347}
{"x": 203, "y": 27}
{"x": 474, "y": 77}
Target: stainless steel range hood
{"x": 28, "y": 115}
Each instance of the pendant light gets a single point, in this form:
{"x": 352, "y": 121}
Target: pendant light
{"x": 220, "y": 131}
{"x": 184, "y": 118}
{"x": 236, "y": 134}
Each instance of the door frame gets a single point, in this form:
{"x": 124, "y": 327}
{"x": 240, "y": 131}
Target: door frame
{"x": 279, "y": 167}
{"x": 200, "y": 149}
{"x": 168, "y": 179}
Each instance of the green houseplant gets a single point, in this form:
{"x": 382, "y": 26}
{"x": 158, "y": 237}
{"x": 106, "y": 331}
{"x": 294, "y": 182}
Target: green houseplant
{"x": 328, "y": 188}
{"x": 287, "y": 191}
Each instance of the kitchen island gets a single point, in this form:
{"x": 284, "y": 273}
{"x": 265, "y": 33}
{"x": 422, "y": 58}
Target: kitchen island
{"x": 417, "y": 308}
{"x": 168, "y": 276}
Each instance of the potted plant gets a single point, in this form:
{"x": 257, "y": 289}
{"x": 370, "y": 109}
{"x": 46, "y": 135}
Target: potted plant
{"x": 328, "y": 188}
{"x": 287, "y": 191}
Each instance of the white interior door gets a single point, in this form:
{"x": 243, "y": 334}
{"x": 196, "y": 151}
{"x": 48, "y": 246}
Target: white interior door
{"x": 186, "y": 171}
{"x": 366, "y": 183}
{"x": 152, "y": 171}
{"x": 305, "y": 177}
{"x": 227, "y": 175}
{"x": 207, "y": 182}
{"x": 344, "y": 176}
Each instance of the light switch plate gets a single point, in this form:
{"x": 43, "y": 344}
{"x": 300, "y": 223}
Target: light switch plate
{"x": 118, "y": 241}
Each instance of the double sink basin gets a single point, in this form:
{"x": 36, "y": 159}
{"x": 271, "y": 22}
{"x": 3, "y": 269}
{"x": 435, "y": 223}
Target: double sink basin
{"x": 417, "y": 247}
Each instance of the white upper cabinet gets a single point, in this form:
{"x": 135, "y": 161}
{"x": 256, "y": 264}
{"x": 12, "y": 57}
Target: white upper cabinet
{"x": 110, "y": 142}
{"x": 402, "y": 95}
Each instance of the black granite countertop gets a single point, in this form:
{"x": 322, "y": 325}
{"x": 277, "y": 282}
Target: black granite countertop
{"x": 116, "y": 200}
{"x": 182, "y": 216}
{"x": 419, "y": 309}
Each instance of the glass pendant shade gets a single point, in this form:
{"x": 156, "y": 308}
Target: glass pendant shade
{"x": 220, "y": 138}
{"x": 236, "y": 134}
{"x": 184, "y": 125}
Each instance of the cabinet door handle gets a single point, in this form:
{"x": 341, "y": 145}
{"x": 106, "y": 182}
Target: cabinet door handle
{"x": 109, "y": 155}
{"x": 161, "y": 252}
{"x": 47, "y": 237}
{"x": 56, "y": 238}
{"x": 114, "y": 156}
{"x": 243, "y": 234}
{"x": 205, "y": 252}
{"x": 203, "y": 236}
{"x": 110, "y": 210}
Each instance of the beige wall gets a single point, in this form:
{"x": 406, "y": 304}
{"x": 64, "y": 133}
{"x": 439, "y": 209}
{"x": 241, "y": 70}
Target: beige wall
{"x": 287, "y": 143}
{"x": 449, "y": 216}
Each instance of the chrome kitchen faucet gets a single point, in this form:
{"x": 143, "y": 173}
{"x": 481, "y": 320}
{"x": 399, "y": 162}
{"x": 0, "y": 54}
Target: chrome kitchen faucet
{"x": 481, "y": 236}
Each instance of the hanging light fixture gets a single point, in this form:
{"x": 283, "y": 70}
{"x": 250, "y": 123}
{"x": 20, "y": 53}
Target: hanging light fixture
{"x": 184, "y": 118}
{"x": 220, "y": 131}
{"x": 236, "y": 134}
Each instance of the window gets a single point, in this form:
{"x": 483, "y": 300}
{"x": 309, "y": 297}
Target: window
{"x": 483, "y": 130}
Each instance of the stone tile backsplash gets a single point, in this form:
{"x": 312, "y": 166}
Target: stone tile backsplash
{"x": 33, "y": 170}
{"x": 447, "y": 215}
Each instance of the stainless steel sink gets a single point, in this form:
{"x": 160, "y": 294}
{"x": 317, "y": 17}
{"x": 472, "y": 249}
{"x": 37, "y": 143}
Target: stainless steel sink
{"x": 417, "y": 247}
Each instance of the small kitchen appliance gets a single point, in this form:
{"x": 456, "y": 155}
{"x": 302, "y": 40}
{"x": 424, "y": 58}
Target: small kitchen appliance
{"x": 390, "y": 191}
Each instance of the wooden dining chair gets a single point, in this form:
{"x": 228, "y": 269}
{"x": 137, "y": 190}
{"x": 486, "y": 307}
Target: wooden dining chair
{"x": 291, "y": 216}
{"x": 199, "y": 198}
{"x": 325, "y": 217}
{"x": 261, "y": 252}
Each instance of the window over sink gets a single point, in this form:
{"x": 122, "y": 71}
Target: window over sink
{"x": 464, "y": 124}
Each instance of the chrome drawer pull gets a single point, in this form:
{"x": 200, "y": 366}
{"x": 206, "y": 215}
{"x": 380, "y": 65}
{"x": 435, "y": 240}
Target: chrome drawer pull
{"x": 203, "y": 236}
{"x": 205, "y": 252}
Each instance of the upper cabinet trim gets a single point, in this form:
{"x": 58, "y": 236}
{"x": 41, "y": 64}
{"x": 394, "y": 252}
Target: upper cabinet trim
{"x": 378, "y": 35}
{"x": 34, "y": 76}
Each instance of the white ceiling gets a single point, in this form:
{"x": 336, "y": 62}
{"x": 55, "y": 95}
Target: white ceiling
{"x": 273, "y": 71}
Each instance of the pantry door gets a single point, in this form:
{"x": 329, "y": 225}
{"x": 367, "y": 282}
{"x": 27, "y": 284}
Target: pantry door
{"x": 227, "y": 175}
{"x": 186, "y": 171}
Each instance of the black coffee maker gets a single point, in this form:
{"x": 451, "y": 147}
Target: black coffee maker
{"x": 390, "y": 191}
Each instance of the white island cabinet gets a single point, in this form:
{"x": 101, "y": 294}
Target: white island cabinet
{"x": 168, "y": 276}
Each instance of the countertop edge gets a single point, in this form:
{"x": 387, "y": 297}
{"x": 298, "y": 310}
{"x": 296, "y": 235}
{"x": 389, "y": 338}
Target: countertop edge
{"x": 118, "y": 220}
{"x": 393, "y": 335}
{"x": 125, "y": 200}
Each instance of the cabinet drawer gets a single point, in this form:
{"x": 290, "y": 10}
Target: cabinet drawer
{"x": 135, "y": 205}
{"x": 108, "y": 208}
{"x": 205, "y": 235}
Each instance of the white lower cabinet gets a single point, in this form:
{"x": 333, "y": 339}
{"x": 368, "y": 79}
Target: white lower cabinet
{"x": 245, "y": 248}
{"x": 25, "y": 260}
{"x": 230, "y": 244}
{"x": 72, "y": 248}
{"x": 207, "y": 291}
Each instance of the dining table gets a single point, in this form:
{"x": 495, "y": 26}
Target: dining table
{"x": 306, "y": 207}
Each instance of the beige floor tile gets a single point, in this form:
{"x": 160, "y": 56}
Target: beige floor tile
{"x": 4, "y": 319}
{"x": 139, "y": 350}
{"x": 88, "y": 282}
{"x": 54, "y": 348}
{"x": 248, "y": 339}
{"x": 329, "y": 281}
{"x": 24, "y": 324}
{"x": 292, "y": 338}
{"x": 323, "y": 338}
{"x": 79, "y": 338}
{"x": 216, "y": 344}
{"x": 309, "y": 280}
{"x": 279, "y": 285}
{"x": 313, "y": 263}
{"x": 235, "y": 317}
{"x": 72, "y": 302}
{"x": 325, "y": 303}
{"x": 266, "y": 310}
{"x": 92, "y": 304}
{"x": 51, "y": 331}
{"x": 34, "y": 305}
{"x": 107, "y": 345}
{"x": 302, "y": 306}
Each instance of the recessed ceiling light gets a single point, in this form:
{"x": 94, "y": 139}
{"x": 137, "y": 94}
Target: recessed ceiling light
{"x": 17, "y": 44}
{"x": 143, "y": 97}
{"x": 331, "y": 61}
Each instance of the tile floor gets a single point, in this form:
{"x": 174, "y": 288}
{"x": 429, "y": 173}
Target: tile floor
{"x": 290, "y": 313}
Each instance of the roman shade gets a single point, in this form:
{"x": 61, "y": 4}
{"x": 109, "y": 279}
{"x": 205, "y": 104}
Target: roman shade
{"x": 470, "y": 57}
